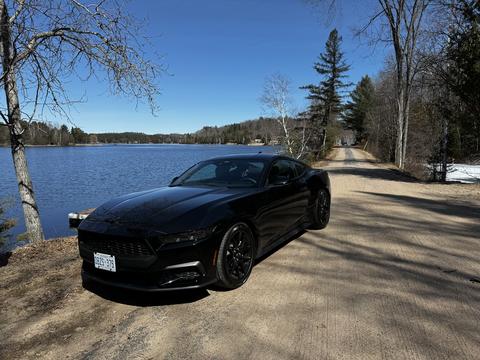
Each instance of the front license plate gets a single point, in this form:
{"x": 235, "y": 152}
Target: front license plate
{"x": 104, "y": 262}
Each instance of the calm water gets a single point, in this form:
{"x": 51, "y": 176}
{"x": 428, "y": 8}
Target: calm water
{"x": 67, "y": 179}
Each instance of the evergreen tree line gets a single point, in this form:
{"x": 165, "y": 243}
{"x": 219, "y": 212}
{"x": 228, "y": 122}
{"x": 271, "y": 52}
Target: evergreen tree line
{"x": 43, "y": 133}
{"x": 264, "y": 130}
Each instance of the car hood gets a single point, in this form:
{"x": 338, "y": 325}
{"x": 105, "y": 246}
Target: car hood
{"x": 159, "y": 207}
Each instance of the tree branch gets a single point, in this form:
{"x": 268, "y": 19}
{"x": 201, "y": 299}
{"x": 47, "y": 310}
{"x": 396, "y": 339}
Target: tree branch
{"x": 17, "y": 12}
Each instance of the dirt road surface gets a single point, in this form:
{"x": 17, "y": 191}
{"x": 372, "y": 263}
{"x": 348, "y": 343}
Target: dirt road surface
{"x": 394, "y": 276}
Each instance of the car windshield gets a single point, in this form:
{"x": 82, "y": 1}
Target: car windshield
{"x": 224, "y": 172}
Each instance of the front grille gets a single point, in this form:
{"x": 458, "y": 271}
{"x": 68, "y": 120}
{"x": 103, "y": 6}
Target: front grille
{"x": 114, "y": 245}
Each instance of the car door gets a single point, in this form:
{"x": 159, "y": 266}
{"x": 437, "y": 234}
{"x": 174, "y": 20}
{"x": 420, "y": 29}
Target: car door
{"x": 301, "y": 199}
{"x": 279, "y": 212}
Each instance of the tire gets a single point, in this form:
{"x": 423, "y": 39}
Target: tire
{"x": 236, "y": 255}
{"x": 321, "y": 210}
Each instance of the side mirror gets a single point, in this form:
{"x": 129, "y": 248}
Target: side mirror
{"x": 280, "y": 180}
{"x": 173, "y": 180}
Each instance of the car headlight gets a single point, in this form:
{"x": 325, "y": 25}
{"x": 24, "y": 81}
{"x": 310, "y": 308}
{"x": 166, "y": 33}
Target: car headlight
{"x": 194, "y": 235}
{"x": 188, "y": 236}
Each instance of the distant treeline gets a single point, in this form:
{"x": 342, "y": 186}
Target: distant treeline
{"x": 41, "y": 133}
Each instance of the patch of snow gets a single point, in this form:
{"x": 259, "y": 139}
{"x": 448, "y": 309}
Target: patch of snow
{"x": 464, "y": 173}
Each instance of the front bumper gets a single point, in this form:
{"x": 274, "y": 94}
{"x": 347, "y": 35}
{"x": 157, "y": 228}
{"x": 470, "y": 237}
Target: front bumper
{"x": 142, "y": 282}
{"x": 186, "y": 266}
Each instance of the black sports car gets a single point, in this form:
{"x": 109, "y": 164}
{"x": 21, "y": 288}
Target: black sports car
{"x": 208, "y": 226}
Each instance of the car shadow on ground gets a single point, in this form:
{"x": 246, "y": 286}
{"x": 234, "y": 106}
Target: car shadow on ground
{"x": 280, "y": 246}
{"x": 145, "y": 299}
{"x": 264, "y": 257}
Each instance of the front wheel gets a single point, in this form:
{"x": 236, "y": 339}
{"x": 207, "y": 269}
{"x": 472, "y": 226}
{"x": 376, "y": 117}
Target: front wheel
{"x": 321, "y": 210}
{"x": 235, "y": 256}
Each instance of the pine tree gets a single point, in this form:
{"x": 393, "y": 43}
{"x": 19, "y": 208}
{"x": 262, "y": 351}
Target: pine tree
{"x": 463, "y": 75}
{"x": 325, "y": 98}
{"x": 356, "y": 109}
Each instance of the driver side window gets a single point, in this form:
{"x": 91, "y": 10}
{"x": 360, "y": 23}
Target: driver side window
{"x": 282, "y": 171}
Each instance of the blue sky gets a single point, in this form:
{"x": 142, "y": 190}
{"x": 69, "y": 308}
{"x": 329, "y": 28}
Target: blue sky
{"x": 218, "y": 53}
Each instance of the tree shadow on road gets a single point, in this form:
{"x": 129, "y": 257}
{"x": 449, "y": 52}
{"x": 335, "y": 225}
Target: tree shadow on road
{"x": 409, "y": 272}
{"x": 438, "y": 206}
{"x": 373, "y": 173}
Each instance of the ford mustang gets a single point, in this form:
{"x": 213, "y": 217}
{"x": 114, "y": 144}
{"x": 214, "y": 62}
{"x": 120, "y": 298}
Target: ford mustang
{"x": 207, "y": 227}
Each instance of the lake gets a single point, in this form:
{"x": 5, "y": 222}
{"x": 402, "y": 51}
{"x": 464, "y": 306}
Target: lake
{"x": 67, "y": 179}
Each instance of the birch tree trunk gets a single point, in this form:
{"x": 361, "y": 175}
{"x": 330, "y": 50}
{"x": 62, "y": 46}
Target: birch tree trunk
{"x": 29, "y": 205}
{"x": 406, "y": 118}
{"x": 399, "y": 159}
{"x": 399, "y": 144}
{"x": 286, "y": 132}
{"x": 444, "y": 165}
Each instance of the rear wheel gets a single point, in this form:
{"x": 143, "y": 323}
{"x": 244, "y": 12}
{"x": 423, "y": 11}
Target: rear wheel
{"x": 235, "y": 256}
{"x": 321, "y": 210}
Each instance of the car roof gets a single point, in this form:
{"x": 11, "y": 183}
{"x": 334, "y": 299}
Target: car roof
{"x": 269, "y": 157}
{"x": 258, "y": 156}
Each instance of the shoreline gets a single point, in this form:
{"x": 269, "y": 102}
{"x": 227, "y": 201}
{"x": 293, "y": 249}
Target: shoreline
{"x": 117, "y": 144}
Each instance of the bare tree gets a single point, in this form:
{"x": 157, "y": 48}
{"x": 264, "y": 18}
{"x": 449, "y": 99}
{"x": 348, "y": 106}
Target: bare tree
{"x": 45, "y": 42}
{"x": 404, "y": 19}
{"x": 276, "y": 99}
{"x": 381, "y": 120}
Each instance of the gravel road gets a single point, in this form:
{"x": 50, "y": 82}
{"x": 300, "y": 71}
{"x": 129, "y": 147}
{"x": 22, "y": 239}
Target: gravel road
{"x": 394, "y": 276}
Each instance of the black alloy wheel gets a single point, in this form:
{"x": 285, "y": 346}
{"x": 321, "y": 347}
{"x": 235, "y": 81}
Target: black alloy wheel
{"x": 321, "y": 214}
{"x": 236, "y": 256}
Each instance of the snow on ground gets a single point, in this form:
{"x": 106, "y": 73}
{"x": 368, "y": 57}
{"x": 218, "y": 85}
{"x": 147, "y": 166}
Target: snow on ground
{"x": 464, "y": 173}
